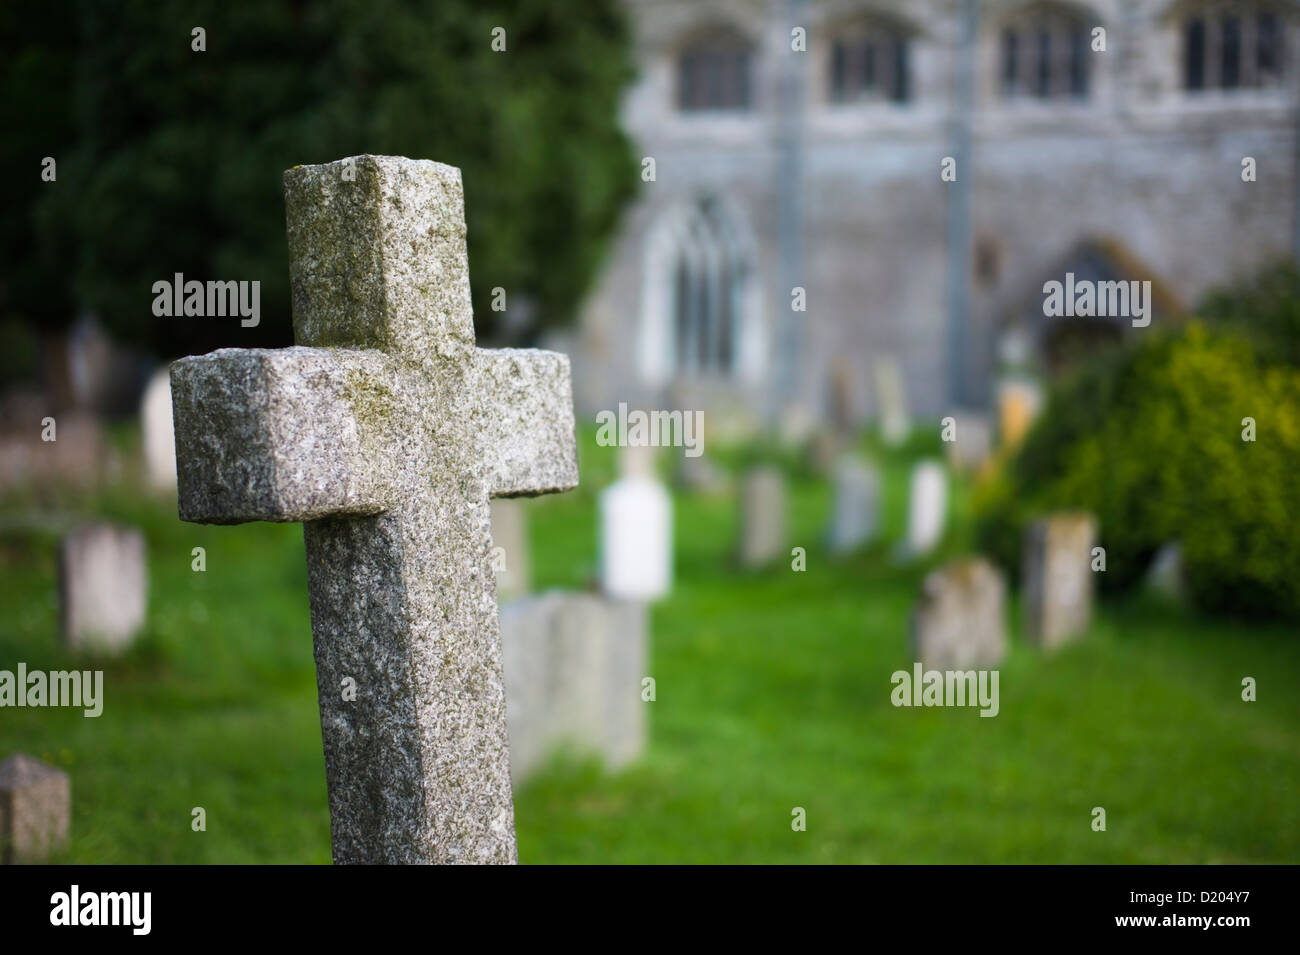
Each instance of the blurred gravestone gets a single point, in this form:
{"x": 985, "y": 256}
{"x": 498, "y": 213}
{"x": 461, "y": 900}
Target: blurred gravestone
{"x": 762, "y": 517}
{"x": 157, "y": 435}
{"x": 959, "y": 621}
{"x": 973, "y": 444}
{"x": 1019, "y": 402}
{"x": 927, "y": 508}
{"x": 700, "y": 474}
{"x": 77, "y": 456}
{"x": 1166, "y": 576}
{"x": 1057, "y": 577}
{"x": 388, "y": 450}
{"x": 891, "y": 400}
{"x": 103, "y": 583}
{"x": 636, "y": 531}
{"x": 510, "y": 533}
{"x": 853, "y": 517}
{"x": 573, "y": 668}
{"x": 35, "y": 800}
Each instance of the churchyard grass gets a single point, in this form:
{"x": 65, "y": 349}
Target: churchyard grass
{"x": 772, "y": 692}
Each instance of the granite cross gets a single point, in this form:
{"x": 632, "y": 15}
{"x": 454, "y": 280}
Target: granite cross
{"x": 386, "y": 435}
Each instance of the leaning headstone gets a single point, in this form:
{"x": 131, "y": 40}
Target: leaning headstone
{"x": 35, "y": 799}
{"x": 386, "y": 431}
{"x": 103, "y": 587}
{"x": 891, "y": 400}
{"x": 960, "y": 620}
{"x": 853, "y": 517}
{"x": 574, "y": 663}
{"x": 636, "y": 531}
{"x": 1058, "y": 577}
{"x": 972, "y": 443}
{"x": 927, "y": 508}
{"x": 510, "y": 547}
{"x": 157, "y": 434}
{"x": 762, "y": 517}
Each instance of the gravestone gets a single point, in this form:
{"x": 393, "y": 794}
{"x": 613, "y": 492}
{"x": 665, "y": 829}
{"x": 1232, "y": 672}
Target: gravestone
{"x": 927, "y": 508}
{"x": 35, "y": 800}
{"x": 1166, "y": 575}
{"x": 157, "y": 434}
{"x": 959, "y": 622}
{"x": 700, "y": 474}
{"x": 636, "y": 531}
{"x": 853, "y": 515}
{"x": 973, "y": 444}
{"x": 762, "y": 517}
{"x": 103, "y": 587}
{"x": 1058, "y": 577}
{"x": 573, "y": 665}
{"x": 386, "y": 431}
{"x": 510, "y": 534}
{"x": 891, "y": 401}
{"x": 77, "y": 456}
{"x": 1019, "y": 402}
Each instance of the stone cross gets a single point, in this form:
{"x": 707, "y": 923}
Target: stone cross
{"x": 387, "y": 435}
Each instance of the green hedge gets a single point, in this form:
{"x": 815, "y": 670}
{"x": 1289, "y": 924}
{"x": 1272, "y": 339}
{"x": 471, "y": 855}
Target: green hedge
{"x": 1150, "y": 440}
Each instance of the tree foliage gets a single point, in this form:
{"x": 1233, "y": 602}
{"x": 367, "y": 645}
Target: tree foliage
{"x": 170, "y": 160}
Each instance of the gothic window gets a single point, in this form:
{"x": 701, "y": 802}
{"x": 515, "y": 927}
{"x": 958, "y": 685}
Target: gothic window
{"x": 870, "y": 62}
{"x": 1232, "y": 46}
{"x": 1045, "y": 54}
{"x": 713, "y": 72}
{"x": 709, "y": 273}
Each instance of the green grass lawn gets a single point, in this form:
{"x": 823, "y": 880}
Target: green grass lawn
{"x": 772, "y": 692}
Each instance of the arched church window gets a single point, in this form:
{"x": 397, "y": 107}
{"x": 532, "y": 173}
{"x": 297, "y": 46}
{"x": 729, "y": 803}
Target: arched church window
{"x": 713, "y": 72}
{"x": 710, "y": 273}
{"x": 1229, "y": 46}
{"x": 1044, "y": 54}
{"x": 870, "y": 61}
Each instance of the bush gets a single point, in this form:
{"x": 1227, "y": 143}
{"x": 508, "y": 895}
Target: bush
{"x": 1266, "y": 310}
{"x": 1150, "y": 440}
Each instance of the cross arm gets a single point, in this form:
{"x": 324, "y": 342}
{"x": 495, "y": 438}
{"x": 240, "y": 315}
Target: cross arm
{"x": 292, "y": 434}
{"x": 526, "y": 421}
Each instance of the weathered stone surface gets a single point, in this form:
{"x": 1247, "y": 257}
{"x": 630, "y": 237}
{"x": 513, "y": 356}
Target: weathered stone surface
{"x": 574, "y": 664}
{"x": 35, "y": 800}
{"x": 960, "y": 622}
{"x": 157, "y": 434}
{"x": 927, "y": 509}
{"x": 103, "y": 587}
{"x": 1058, "y": 578}
{"x": 636, "y": 532}
{"x": 854, "y": 511}
{"x": 387, "y": 431}
{"x": 510, "y": 538}
{"x": 762, "y": 517}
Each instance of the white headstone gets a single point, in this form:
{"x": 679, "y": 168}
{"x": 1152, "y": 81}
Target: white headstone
{"x": 927, "y": 508}
{"x": 102, "y": 586}
{"x": 157, "y": 434}
{"x": 636, "y": 532}
{"x": 853, "y": 518}
{"x": 1057, "y": 580}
